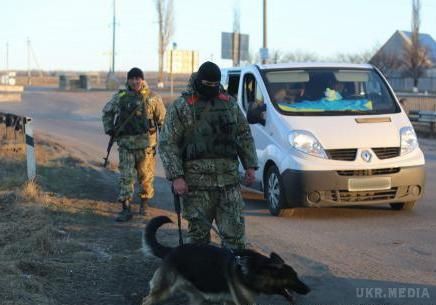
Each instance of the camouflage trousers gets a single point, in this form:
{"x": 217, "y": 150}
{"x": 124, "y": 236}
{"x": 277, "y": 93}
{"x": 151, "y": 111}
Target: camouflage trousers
{"x": 224, "y": 205}
{"x": 139, "y": 163}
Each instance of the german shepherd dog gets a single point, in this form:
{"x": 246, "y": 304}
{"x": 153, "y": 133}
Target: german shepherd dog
{"x": 209, "y": 273}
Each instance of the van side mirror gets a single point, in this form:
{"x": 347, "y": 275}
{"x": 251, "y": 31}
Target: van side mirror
{"x": 256, "y": 113}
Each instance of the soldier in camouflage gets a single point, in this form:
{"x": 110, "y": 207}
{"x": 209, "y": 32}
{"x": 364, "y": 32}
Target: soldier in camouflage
{"x": 133, "y": 116}
{"x": 202, "y": 137}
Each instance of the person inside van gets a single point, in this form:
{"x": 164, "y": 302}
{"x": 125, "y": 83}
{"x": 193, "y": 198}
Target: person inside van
{"x": 315, "y": 88}
{"x": 283, "y": 95}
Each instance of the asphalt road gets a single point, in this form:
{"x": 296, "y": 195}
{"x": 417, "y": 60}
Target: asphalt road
{"x": 360, "y": 255}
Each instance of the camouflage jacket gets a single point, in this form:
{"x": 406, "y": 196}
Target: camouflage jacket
{"x": 155, "y": 111}
{"x": 207, "y": 172}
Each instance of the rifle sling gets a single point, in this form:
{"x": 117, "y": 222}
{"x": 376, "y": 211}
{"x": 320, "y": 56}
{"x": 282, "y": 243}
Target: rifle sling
{"x": 129, "y": 117}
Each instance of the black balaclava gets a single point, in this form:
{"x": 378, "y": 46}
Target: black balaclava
{"x": 210, "y": 72}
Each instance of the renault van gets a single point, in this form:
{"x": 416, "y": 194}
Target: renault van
{"x": 328, "y": 135}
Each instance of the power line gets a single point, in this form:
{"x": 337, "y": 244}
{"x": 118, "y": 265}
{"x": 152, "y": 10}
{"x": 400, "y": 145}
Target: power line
{"x": 29, "y": 76}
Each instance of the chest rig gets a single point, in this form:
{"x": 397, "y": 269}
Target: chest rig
{"x": 212, "y": 134}
{"x": 135, "y": 123}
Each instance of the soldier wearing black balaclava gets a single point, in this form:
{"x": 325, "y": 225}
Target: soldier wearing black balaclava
{"x": 203, "y": 136}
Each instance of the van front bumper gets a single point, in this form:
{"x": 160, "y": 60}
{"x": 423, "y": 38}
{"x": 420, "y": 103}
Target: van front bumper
{"x": 332, "y": 188}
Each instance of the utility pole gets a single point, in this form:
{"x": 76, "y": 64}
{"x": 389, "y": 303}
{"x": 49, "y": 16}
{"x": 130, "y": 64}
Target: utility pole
{"x": 171, "y": 72}
{"x": 29, "y": 79}
{"x": 113, "y": 40}
{"x": 236, "y": 37}
{"x": 264, "y": 30}
{"x": 7, "y": 57}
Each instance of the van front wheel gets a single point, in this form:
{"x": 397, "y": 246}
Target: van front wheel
{"x": 274, "y": 191}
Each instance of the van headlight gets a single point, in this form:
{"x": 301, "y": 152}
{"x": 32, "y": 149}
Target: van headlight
{"x": 306, "y": 142}
{"x": 409, "y": 141}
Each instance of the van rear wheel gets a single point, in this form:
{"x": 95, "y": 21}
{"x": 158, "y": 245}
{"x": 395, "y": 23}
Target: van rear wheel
{"x": 274, "y": 191}
{"x": 409, "y": 205}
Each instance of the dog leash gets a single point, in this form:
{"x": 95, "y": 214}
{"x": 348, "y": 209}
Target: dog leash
{"x": 179, "y": 220}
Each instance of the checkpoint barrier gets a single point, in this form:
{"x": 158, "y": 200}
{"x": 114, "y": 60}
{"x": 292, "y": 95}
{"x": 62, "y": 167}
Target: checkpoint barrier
{"x": 424, "y": 116}
{"x": 14, "y": 126}
{"x": 74, "y": 82}
{"x": 10, "y": 93}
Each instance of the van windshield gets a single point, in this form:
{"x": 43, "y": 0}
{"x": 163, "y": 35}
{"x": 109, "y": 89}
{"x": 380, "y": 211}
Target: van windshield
{"x": 329, "y": 91}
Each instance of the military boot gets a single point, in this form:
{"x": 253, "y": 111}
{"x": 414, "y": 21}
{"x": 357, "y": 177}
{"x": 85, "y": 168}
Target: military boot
{"x": 125, "y": 214}
{"x": 143, "y": 206}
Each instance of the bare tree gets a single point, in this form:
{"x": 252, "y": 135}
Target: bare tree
{"x": 356, "y": 58}
{"x": 299, "y": 56}
{"x": 415, "y": 59}
{"x": 165, "y": 12}
{"x": 276, "y": 56}
{"x": 236, "y": 38}
{"x": 387, "y": 63}
{"x": 237, "y": 18}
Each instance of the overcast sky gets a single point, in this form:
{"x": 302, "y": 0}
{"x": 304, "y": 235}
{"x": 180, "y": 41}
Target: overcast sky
{"x": 77, "y": 35}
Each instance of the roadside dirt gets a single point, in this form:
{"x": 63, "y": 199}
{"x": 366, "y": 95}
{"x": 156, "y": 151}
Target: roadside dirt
{"x": 59, "y": 243}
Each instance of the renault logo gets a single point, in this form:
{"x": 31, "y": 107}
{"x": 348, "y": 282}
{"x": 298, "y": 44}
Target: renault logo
{"x": 366, "y": 155}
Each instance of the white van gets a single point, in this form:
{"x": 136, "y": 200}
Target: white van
{"x": 328, "y": 135}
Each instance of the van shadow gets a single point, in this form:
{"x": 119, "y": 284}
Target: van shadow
{"x": 259, "y": 208}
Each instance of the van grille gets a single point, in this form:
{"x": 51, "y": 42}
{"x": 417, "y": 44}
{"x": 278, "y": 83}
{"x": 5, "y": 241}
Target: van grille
{"x": 386, "y": 152}
{"x": 346, "y": 196}
{"x": 348, "y": 154}
{"x": 369, "y": 172}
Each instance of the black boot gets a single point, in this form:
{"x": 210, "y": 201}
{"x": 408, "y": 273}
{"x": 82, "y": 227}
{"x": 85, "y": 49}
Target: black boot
{"x": 143, "y": 207}
{"x": 125, "y": 214}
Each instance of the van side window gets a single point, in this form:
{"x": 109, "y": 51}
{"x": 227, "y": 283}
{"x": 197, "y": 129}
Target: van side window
{"x": 249, "y": 90}
{"x": 224, "y": 80}
{"x": 233, "y": 84}
{"x": 253, "y": 100}
{"x": 259, "y": 96}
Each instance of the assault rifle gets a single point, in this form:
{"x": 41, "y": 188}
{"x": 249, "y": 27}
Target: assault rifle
{"x": 150, "y": 124}
{"x": 108, "y": 150}
{"x": 116, "y": 132}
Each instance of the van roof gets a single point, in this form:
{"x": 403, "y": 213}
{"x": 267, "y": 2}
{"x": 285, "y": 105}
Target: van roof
{"x": 293, "y": 65}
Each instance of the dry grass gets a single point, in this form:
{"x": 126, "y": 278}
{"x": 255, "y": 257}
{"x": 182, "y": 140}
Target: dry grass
{"x": 29, "y": 235}
{"x": 31, "y": 192}
{"x": 58, "y": 240}
{"x": 12, "y": 169}
{"x": 27, "y": 238}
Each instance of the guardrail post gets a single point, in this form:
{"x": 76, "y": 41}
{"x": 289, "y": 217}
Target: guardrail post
{"x": 433, "y": 123}
{"x": 30, "y": 148}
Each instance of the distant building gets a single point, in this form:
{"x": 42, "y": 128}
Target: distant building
{"x": 394, "y": 49}
{"x": 390, "y": 59}
{"x": 181, "y": 61}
